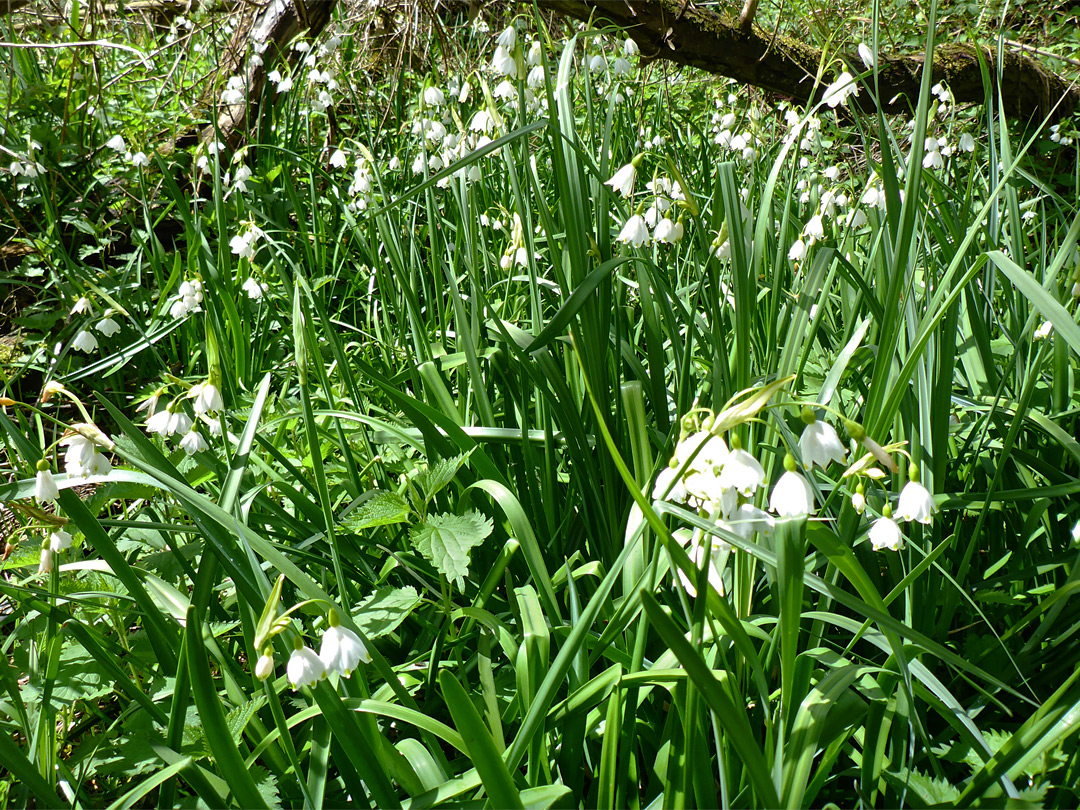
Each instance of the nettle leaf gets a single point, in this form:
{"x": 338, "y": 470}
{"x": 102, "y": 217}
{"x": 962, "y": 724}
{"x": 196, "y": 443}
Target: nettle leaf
{"x": 922, "y": 790}
{"x": 385, "y": 609}
{"x": 438, "y": 475}
{"x": 238, "y": 718}
{"x": 445, "y": 540}
{"x": 381, "y": 509}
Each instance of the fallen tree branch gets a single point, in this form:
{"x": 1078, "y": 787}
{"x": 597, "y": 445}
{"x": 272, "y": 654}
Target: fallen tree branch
{"x": 698, "y": 37}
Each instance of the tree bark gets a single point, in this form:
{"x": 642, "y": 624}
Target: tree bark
{"x": 679, "y": 31}
{"x": 270, "y": 26}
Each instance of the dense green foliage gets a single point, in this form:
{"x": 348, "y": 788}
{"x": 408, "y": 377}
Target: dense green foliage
{"x": 746, "y": 476}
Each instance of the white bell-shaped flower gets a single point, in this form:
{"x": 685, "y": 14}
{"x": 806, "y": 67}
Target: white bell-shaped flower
{"x": 304, "y": 667}
{"x": 341, "y": 648}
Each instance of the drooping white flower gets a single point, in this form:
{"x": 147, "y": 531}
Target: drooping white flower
{"x": 504, "y": 62}
{"x": 741, "y": 472}
{"x": 858, "y": 500}
{"x": 820, "y": 445}
{"x": 635, "y": 232}
{"x": 967, "y": 143}
{"x": 59, "y": 540}
{"x": 193, "y": 442}
{"x": 916, "y": 503}
{"x": 1044, "y": 330}
{"x": 81, "y": 306}
{"x": 338, "y": 159}
{"x": 107, "y": 326}
{"x": 507, "y": 39}
{"x": 45, "y": 489}
{"x": 798, "y": 251}
{"x": 621, "y": 66}
{"x": 304, "y": 667}
{"x": 284, "y": 85}
{"x": 179, "y": 422}
{"x": 623, "y": 180}
{"x": 264, "y": 667}
{"x": 597, "y": 63}
{"x": 158, "y": 422}
{"x": 837, "y": 93}
{"x": 746, "y": 520}
{"x": 254, "y": 289}
{"x": 434, "y": 97}
{"x": 82, "y": 457}
{"x": 792, "y": 496}
{"x": 342, "y": 650}
{"x": 45, "y": 563}
{"x": 630, "y": 48}
{"x": 886, "y": 534}
{"x": 140, "y": 159}
{"x": 866, "y": 55}
{"x": 696, "y": 549}
{"x": 669, "y": 486}
{"x": 207, "y": 398}
{"x": 116, "y": 143}
{"x": 815, "y": 228}
{"x": 665, "y": 228}
{"x": 85, "y": 341}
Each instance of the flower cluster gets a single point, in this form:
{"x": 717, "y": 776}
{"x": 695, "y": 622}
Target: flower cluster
{"x": 341, "y": 651}
{"x": 188, "y": 299}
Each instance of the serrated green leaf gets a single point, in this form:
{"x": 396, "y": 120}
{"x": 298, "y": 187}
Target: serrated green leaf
{"x": 438, "y": 475}
{"x": 445, "y": 540}
{"x": 267, "y": 785}
{"x": 381, "y": 509}
{"x": 923, "y": 790}
{"x": 238, "y": 718}
{"x": 385, "y": 609}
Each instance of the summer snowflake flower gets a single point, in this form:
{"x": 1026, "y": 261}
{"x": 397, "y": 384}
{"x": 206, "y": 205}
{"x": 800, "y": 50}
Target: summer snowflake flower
{"x": 886, "y": 534}
{"x": 304, "y": 667}
{"x": 635, "y": 232}
{"x": 342, "y": 650}
{"x": 798, "y": 251}
{"x": 140, "y": 159}
{"x": 666, "y": 231}
{"x": 916, "y": 503}
{"x": 837, "y": 93}
{"x": 623, "y": 180}
{"x": 815, "y": 228}
{"x": 866, "y": 55}
{"x": 819, "y": 445}
{"x": 107, "y": 326}
{"x": 696, "y": 552}
{"x": 741, "y": 472}
{"x": 82, "y": 457}
{"x": 508, "y": 38}
{"x": 45, "y": 564}
{"x": 193, "y": 443}
{"x": 116, "y": 143}
{"x": 967, "y": 143}
{"x": 338, "y": 159}
{"x": 746, "y": 520}
{"x": 434, "y": 97}
{"x": 504, "y": 63}
{"x": 207, "y": 398}
{"x": 264, "y": 667}
{"x": 85, "y": 341}
{"x": 630, "y": 48}
{"x": 792, "y": 496}
{"x": 254, "y": 289}
{"x": 45, "y": 488}
{"x": 81, "y": 306}
{"x": 669, "y": 485}
{"x": 59, "y": 541}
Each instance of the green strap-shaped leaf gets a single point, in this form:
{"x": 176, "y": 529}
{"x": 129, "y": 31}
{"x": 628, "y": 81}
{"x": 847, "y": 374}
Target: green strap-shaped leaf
{"x": 732, "y": 718}
{"x": 229, "y": 761}
{"x": 485, "y": 756}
